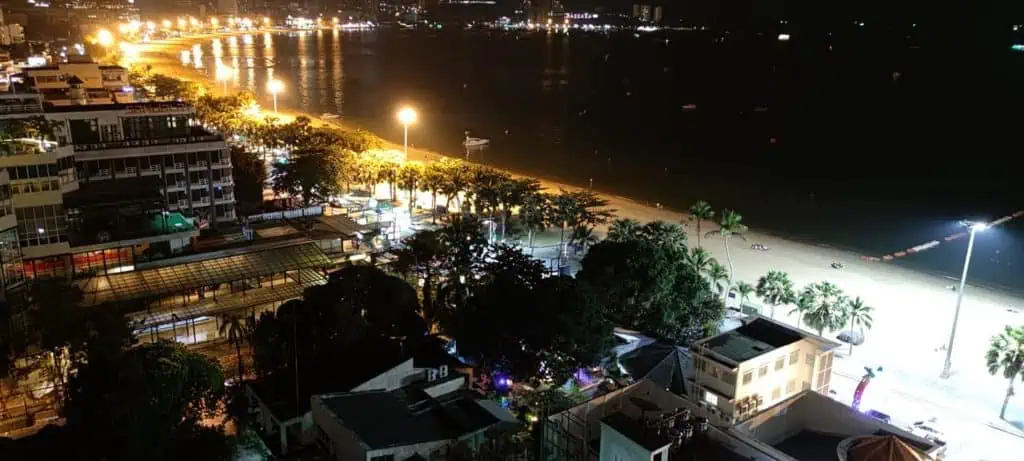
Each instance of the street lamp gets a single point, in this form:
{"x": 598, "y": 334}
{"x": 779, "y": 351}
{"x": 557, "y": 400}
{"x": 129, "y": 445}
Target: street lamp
{"x": 974, "y": 229}
{"x": 275, "y": 86}
{"x": 407, "y": 116}
{"x": 105, "y": 38}
{"x": 224, "y": 74}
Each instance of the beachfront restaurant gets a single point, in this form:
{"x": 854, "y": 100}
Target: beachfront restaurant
{"x": 186, "y": 298}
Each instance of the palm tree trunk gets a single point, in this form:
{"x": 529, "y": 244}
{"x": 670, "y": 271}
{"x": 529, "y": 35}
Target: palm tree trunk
{"x": 529, "y": 236}
{"x": 728, "y": 257}
{"x": 773, "y": 311}
{"x": 433, "y": 206}
{"x": 1006, "y": 400}
{"x": 698, "y": 235}
{"x": 238, "y": 351}
{"x": 412, "y": 198}
{"x": 851, "y": 332}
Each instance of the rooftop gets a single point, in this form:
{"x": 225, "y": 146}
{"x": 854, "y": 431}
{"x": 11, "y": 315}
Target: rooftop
{"x": 632, "y": 430}
{"x": 176, "y": 275}
{"x": 666, "y": 364}
{"x": 404, "y": 417}
{"x": 757, "y": 337}
{"x": 809, "y": 427}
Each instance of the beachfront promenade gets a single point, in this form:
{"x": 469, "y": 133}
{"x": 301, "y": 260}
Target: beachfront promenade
{"x": 912, "y": 318}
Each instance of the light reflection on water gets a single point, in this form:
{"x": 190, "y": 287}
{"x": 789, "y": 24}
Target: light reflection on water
{"x": 570, "y": 109}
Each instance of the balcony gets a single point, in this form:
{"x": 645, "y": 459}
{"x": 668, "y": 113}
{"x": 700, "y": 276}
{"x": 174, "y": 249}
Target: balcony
{"x": 226, "y": 198}
{"x": 202, "y": 201}
{"x": 99, "y": 229}
{"x": 29, "y": 108}
{"x": 176, "y": 186}
{"x": 151, "y": 171}
{"x": 224, "y": 181}
{"x": 221, "y": 163}
{"x": 136, "y": 143}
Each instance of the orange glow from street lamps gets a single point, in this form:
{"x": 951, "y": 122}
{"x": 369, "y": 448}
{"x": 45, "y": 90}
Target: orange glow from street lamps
{"x": 104, "y": 38}
{"x": 275, "y": 86}
{"x": 166, "y": 23}
{"x": 407, "y": 116}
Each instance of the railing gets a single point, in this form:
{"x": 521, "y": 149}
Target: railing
{"x": 201, "y": 202}
{"x": 20, "y": 108}
{"x": 288, "y": 214}
{"x": 225, "y": 198}
{"x": 146, "y": 142}
{"x": 182, "y": 203}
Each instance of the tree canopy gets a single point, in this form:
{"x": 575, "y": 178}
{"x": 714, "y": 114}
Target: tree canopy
{"x": 645, "y": 281}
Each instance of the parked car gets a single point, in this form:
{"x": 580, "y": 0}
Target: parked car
{"x": 879, "y": 416}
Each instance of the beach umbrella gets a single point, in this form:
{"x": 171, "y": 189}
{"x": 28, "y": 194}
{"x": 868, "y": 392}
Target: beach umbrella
{"x": 851, "y": 337}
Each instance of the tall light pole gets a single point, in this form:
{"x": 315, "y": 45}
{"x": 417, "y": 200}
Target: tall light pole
{"x": 975, "y": 228}
{"x": 275, "y": 86}
{"x": 407, "y": 116}
{"x": 224, "y": 74}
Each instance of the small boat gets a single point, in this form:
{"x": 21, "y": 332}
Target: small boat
{"x": 475, "y": 142}
{"x": 761, "y": 108}
{"x": 689, "y": 107}
{"x": 329, "y": 116}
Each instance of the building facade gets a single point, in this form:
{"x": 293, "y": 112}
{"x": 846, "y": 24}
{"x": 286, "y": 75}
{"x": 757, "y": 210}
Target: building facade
{"x": 93, "y": 181}
{"x": 758, "y": 365}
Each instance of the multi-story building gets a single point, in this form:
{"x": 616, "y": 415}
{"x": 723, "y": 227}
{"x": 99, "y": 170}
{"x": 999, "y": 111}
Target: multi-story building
{"x": 114, "y": 182}
{"x": 759, "y": 364}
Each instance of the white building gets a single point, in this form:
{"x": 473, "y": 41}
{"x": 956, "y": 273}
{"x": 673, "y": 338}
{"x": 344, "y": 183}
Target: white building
{"x": 119, "y": 179}
{"x": 424, "y": 417}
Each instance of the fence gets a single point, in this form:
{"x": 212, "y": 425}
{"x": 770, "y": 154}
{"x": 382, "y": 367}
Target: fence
{"x": 286, "y": 214}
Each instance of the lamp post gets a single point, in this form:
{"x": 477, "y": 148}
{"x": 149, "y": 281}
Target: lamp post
{"x": 407, "y": 116}
{"x": 975, "y": 228}
{"x": 275, "y": 86}
{"x": 223, "y": 74}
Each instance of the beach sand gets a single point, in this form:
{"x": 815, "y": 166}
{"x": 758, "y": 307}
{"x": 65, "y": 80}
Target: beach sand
{"x": 913, "y": 311}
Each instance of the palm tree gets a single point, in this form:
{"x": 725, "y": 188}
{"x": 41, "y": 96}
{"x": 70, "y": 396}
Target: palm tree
{"x": 389, "y": 174}
{"x": 535, "y": 214}
{"x": 776, "y": 289}
{"x": 433, "y": 179}
{"x": 730, "y": 226}
{"x": 623, "y": 229}
{"x": 233, "y": 327}
{"x": 514, "y": 193}
{"x": 716, "y": 274}
{"x": 823, "y": 306}
{"x": 409, "y": 177}
{"x": 700, "y": 259}
{"x": 700, "y": 211}
{"x": 422, "y": 255}
{"x": 1006, "y": 353}
{"x": 860, "y": 315}
{"x": 744, "y": 290}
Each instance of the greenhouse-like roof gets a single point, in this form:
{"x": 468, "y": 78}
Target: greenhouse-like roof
{"x": 192, "y": 272}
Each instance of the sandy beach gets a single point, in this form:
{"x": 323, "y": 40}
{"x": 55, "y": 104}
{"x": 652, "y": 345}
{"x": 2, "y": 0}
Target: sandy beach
{"x": 912, "y": 317}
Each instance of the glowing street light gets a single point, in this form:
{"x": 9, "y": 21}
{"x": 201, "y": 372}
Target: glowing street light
{"x": 104, "y": 38}
{"x": 266, "y": 21}
{"x": 974, "y": 229}
{"x": 407, "y": 116}
{"x": 213, "y": 22}
{"x": 166, "y": 23}
{"x": 223, "y": 74}
{"x": 275, "y": 86}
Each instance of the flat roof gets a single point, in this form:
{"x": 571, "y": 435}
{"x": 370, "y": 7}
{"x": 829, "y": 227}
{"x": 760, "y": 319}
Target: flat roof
{"x": 118, "y": 106}
{"x": 383, "y": 419}
{"x": 632, "y": 430}
{"x": 751, "y": 340}
{"x": 811, "y": 446}
{"x": 191, "y": 272}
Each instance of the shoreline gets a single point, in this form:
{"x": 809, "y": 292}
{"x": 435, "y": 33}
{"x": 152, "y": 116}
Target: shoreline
{"x": 619, "y": 202}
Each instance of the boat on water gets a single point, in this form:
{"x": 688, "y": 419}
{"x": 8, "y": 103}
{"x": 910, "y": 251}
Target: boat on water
{"x": 329, "y": 116}
{"x": 689, "y": 107}
{"x": 475, "y": 142}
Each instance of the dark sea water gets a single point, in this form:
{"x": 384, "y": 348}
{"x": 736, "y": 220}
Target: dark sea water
{"x": 870, "y": 146}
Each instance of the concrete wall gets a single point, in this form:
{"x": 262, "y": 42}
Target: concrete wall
{"x": 342, "y": 443}
{"x": 617, "y": 447}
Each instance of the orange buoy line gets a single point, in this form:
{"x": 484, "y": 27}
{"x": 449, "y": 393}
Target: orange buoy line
{"x": 934, "y": 243}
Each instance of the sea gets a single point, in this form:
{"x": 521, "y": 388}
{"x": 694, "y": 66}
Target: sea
{"x": 872, "y": 146}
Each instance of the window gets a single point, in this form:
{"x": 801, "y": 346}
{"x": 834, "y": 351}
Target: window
{"x": 747, "y": 377}
{"x": 659, "y": 456}
{"x": 793, "y": 357}
{"x": 780, "y": 363}
{"x": 710, "y": 398}
{"x": 810, "y": 359}
{"x": 383, "y": 458}
{"x": 776, "y": 393}
{"x": 790, "y": 386}
{"x": 763, "y": 370}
